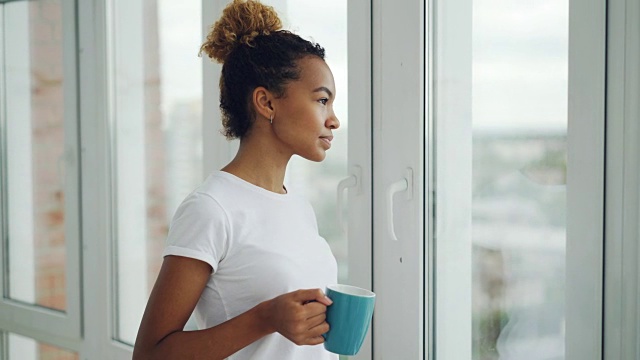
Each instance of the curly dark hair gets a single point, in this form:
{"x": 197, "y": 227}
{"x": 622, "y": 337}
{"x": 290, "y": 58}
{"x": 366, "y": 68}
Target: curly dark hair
{"x": 254, "y": 51}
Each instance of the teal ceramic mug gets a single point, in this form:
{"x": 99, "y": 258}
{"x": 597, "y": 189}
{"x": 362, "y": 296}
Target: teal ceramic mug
{"x": 349, "y": 318}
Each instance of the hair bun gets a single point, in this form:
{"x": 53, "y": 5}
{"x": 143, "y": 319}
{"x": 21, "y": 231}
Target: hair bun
{"x": 240, "y": 23}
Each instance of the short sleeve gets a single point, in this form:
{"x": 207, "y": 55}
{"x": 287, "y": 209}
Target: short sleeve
{"x": 199, "y": 230}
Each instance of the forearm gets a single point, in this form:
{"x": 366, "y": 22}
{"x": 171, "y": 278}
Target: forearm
{"x": 218, "y": 342}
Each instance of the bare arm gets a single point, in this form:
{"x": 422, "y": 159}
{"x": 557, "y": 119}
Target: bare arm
{"x": 175, "y": 294}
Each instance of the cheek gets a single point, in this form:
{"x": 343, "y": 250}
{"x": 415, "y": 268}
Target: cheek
{"x": 301, "y": 119}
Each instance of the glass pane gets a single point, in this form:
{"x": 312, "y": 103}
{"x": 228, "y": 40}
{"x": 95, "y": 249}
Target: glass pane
{"x": 325, "y": 23}
{"x": 519, "y": 87}
{"x": 157, "y": 137}
{"x": 35, "y": 140}
{"x": 23, "y": 348}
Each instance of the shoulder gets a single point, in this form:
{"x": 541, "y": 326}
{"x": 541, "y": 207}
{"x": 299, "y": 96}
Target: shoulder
{"x": 211, "y": 194}
{"x": 200, "y": 206}
{"x": 222, "y": 188}
{"x": 213, "y": 186}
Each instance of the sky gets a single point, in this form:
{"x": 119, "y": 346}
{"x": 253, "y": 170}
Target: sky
{"x": 520, "y": 64}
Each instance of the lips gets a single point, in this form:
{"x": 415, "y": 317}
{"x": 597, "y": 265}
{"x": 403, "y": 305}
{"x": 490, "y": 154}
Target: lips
{"x": 327, "y": 139}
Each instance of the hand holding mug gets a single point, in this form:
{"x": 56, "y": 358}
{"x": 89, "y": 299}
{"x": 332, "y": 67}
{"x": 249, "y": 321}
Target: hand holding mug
{"x": 299, "y": 316}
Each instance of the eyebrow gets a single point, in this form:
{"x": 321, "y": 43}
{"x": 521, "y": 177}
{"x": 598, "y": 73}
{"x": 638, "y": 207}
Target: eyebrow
{"x": 325, "y": 89}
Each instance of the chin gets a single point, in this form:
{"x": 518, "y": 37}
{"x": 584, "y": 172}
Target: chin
{"x": 317, "y": 157}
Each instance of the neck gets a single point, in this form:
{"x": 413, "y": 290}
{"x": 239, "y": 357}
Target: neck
{"x": 260, "y": 163}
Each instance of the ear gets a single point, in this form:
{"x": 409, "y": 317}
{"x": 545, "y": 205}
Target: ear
{"x": 262, "y": 102}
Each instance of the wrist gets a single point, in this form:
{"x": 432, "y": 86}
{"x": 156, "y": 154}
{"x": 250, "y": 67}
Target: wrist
{"x": 264, "y": 321}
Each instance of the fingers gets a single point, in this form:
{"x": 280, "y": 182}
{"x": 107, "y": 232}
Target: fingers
{"x": 314, "y": 308}
{"x": 319, "y": 329}
{"x": 314, "y": 336}
{"x": 309, "y": 295}
{"x": 325, "y": 300}
{"x": 316, "y": 340}
{"x": 316, "y": 320}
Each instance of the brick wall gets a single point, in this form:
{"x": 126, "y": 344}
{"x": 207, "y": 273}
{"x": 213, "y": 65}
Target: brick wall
{"x": 48, "y": 145}
{"x": 155, "y": 146}
{"x": 47, "y": 106}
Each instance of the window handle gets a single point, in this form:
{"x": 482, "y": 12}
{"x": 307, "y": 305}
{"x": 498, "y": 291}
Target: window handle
{"x": 353, "y": 181}
{"x": 405, "y": 184}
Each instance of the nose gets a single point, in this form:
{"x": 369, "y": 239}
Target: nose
{"x": 332, "y": 122}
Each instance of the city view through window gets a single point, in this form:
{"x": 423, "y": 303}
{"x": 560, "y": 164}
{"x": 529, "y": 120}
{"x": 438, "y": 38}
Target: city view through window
{"x": 519, "y": 110}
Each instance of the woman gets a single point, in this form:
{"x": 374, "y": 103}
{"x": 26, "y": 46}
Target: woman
{"x": 241, "y": 250}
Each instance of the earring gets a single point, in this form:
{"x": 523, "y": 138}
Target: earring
{"x": 271, "y": 119}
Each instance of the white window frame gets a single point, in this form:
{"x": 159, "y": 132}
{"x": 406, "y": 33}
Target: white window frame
{"x": 451, "y": 138}
{"x": 360, "y": 154}
{"x": 35, "y": 321}
{"x": 127, "y": 119}
{"x": 99, "y": 283}
{"x": 398, "y": 173}
{"x": 585, "y": 180}
{"x": 622, "y": 273}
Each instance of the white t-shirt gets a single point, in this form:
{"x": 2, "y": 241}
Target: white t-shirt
{"x": 260, "y": 245}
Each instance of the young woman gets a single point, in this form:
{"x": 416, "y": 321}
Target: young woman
{"x": 241, "y": 250}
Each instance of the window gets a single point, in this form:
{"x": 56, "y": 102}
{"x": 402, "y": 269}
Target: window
{"x": 518, "y": 230}
{"x": 465, "y": 186}
{"x": 39, "y": 168}
{"x": 512, "y": 182}
{"x": 156, "y": 139}
{"x": 24, "y": 348}
{"x": 35, "y": 150}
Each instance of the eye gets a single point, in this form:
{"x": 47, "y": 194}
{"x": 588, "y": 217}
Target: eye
{"x": 324, "y": 101}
